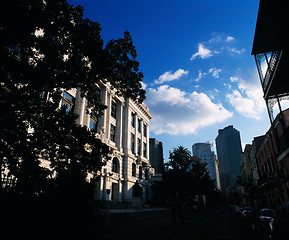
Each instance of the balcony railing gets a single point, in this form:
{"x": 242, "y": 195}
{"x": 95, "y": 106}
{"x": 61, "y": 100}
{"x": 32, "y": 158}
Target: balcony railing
{"x": 268, "y": 178}
{"x": 271, "y": 63}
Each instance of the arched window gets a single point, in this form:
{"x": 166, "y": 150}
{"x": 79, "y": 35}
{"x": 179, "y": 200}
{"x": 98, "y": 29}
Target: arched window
{"x": 133, "y": 168}
{"x": 115, "y": 165}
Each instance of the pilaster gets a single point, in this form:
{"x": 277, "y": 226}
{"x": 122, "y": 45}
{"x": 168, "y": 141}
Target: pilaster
{"x": 108, "y": 117}
{"x": 119, "y": 117}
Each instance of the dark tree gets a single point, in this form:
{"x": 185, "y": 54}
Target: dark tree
{"x": 185, "y": 175}
{"x": 47, "y": 47}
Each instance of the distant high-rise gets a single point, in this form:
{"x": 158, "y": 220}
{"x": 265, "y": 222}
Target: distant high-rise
{"x": 229, "y": 151}
{"x": 204, "y": 152}
{"x": 156, "y": 155}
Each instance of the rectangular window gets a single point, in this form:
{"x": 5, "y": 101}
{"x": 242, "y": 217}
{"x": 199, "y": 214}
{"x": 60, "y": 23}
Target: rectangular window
{"x": 133, "y": 168}
{"x": 138, "y": 146}
{"x": 146, "y": 174}
{"x": 68, "y": 101}
{"x": 144, "y": 149}
{"x": 138, "y": 125}
{"x": 145, "y": 130}
{"x": 140, "y": 172}
{"x": 132, "y": 119}
{"x": 113, "y": 109}
{"x": 68, "y": 96}
{"x": 92, "y": 124}
{"x": 132, "y": 143}
{"x": 112, "y": 132}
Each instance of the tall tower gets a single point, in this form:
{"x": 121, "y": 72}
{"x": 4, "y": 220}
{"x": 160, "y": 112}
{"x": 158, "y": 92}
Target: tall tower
{"x": 156, "y": 155}
{"x": 204, "y": 152}
{"x": 229, "y": 151}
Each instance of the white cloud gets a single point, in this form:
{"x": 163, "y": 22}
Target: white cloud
{"x": 143, "y": 85}
{"x": 169, "y": 76}
{"x": 219, "y": 43}
{"x": 234, "y": 79}
{"x": 264, "y": 66}
{"x": 200, "y": 76}
{"x": 177, "y": 112}
{"x": 235, "y": 50}
{"x": 202, "y": 52}
{"x": 229, "y": 86}
{"x": 243, "y": 105}
{"x": 248, "y": 98}
{"x": 229, "y": 39}
{"x": 215, "y": 72}
{"x": 212, "y": 71}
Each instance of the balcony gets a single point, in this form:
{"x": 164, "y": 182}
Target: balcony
{"x": 270, "y": 48}
{"x": 269, "y": 63}
{"x": 267, "y": 180}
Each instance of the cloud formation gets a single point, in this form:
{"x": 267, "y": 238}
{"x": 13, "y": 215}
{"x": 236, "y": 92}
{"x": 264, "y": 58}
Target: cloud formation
{"x": 177, "y": 112}
{"x": 214, "y": 72}
{"x": 247, "y": 99}
{"x": 230, "y": 39}
{"x": 201, "y": 74}
{"x": 202, "y": 52}
{"x": 235, "y": 50}
{"x": 219, "y": 43}
{"x": 169, "y": 76}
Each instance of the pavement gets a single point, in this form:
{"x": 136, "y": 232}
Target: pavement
{"x": 154, "y": 228}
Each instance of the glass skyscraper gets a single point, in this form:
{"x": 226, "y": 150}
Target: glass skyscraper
{"x": 229, "y": 151}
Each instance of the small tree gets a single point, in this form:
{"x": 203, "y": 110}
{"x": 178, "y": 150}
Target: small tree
{"x": 185, "y": 175}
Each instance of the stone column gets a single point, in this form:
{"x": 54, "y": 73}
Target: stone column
{"x": 102, "y": 119}
{"x": 119, "y": 112}
{"x": 126, "y": 127}
{"x": 141, "y": 138}
{"x": 80, "y": 104}
{"x": 135, "y": 133}
{"x": 148, "y": 142}
{"x": 87, "y": 118}
{"x": 108, "y": 110}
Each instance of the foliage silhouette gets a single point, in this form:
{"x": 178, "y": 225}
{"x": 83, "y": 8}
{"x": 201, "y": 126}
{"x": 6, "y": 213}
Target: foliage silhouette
{"x": 48, "y": 46}
{"x": 185, "y": 176}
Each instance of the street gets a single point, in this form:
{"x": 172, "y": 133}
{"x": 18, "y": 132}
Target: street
{"x": 209, "y": 224}
{"x": 223, "y": 224}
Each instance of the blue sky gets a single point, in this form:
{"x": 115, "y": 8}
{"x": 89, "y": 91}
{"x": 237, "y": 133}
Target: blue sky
{"x": 196, "y": 59}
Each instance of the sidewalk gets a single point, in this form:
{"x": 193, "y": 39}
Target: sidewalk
{"x": 154, "y": 228}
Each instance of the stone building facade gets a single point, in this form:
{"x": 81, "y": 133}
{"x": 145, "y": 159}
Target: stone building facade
{"x": 124, "y": 127}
